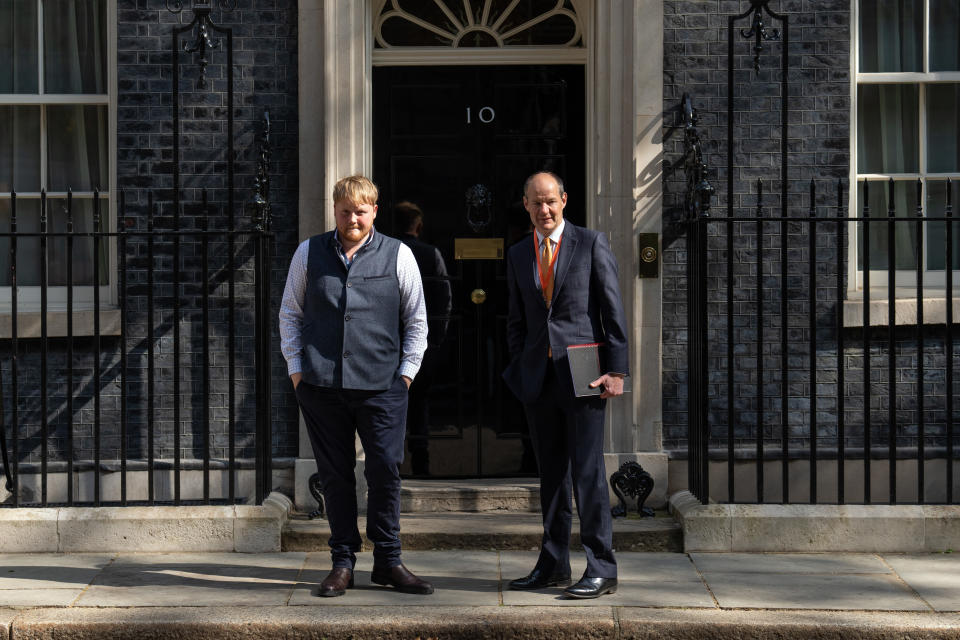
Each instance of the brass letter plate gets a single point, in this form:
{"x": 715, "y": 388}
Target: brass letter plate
{"x": 649, "y": 263}
{"x": 478, "y": 248}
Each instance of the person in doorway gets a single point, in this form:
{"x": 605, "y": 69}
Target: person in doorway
{"x": 353, "y": 329}
{"x": 436, "y": 290}
{"x": 563, "y": 290}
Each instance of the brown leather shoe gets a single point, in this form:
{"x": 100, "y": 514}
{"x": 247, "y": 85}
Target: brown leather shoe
{"x": 400, "y": 578}
{"x": 336, "y": 583}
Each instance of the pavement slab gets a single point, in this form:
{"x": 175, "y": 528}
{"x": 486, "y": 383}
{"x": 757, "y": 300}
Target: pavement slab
{"x": 467, "y": 578}
{"x": 661, "y": 595}
{"x": 195, "y": 579}
{"x": 813, "y": 591}
{"x": 50, "y": 570}
{"x": 806, "y": 563}
{"x": 935, "y": 577}
{"x": 47, "y": 579}
{"x": 644, "y": 580}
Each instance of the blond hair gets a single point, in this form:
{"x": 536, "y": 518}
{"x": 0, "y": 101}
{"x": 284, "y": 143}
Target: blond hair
{"x": 356, "y": 189}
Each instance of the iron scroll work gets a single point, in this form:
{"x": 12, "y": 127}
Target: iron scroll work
{"x": 631, "y": 480}
{"x": 758, "y": 30}
{"x": 316, "y": 490}
{"x": 699, "y": 190}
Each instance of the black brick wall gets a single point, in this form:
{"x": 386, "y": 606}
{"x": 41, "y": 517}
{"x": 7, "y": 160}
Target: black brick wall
{"x": 695, "y": 62}
{"x": 818, "y": 143}
{"x": 265, "y": 78}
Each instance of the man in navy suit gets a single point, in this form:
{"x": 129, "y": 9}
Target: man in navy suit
{"x": 564, "y": 291}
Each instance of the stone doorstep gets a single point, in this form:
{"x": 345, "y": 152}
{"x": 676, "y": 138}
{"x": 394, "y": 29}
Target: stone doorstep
{"x": 466, "y": 623}
{"x": 815, "y": 528}
{"x": 243, "y": 528}
{"x": 503, "y": 531}
{"x": 431, "y": 496}
{"x": 494, "y": 494}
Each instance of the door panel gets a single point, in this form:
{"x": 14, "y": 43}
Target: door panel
{"x": 459, "y": 142}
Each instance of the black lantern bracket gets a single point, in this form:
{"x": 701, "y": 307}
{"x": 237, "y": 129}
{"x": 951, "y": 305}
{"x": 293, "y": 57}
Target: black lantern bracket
{"x": 758, "y": 30}
{"x": 260, "y": 203}
{"x": 699, "y": 190}
{"x": 203, "y": 42}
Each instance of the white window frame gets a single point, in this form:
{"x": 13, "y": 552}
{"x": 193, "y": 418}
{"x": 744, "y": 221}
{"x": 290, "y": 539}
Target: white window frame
{"x": 905, "y": 280}
{"x": 28, "y": 297}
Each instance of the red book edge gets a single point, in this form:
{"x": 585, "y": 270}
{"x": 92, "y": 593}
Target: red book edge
{"x": 589, "y": 344}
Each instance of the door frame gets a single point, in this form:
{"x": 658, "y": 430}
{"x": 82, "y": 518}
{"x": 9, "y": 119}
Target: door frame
{"x": 485, "y": 445}
{"x": 624, "y": 71}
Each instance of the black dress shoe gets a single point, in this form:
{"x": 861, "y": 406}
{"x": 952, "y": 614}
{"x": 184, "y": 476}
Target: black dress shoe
{"x": 538, "y": 579}
{"x": 592, "y": 587}
{"x": 401, "y": 579}
{"x": 336, "y": 583}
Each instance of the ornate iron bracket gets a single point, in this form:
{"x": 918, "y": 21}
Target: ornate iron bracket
{"x": 699, "y": 189}
{"x": 204, "y": 41}
{"x": 313, "y": 484}
{"x": 633, "y": 481}
{"x": 176, "y": 6}
{"x": 759, "y": 31}
{"x": 261, "y": 182}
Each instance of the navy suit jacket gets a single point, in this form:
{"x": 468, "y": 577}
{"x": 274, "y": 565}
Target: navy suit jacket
{"x": 586, "y": 308}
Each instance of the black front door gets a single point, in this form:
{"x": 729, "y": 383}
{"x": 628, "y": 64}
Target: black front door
{"x": 459, "y": 142}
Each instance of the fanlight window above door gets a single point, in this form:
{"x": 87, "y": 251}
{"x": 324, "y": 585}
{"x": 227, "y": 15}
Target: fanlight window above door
{"x": 477, "y": 23}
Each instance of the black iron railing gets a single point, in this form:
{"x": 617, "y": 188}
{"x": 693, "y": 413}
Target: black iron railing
{"x": 785, "y": 369}
{"x": 115, "y": 404}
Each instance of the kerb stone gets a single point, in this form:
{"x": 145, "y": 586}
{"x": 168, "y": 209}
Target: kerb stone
{"x": 861, "y": 528}
{"x": 815, "y": 528}
{"x": 941, "y": 528}
{"x": 180, "y": 528}
{"x": 27, "y": 530}
{"x": 706, "y": 527}
{"x": 258, "y": 529}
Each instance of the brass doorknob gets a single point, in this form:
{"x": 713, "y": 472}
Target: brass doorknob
{"x": 478, "y": 296}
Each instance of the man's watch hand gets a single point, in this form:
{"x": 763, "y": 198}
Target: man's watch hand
{"x": 612, "y": 385}
{"x": 407, "y": 380}
{"x": 295, "y": 378}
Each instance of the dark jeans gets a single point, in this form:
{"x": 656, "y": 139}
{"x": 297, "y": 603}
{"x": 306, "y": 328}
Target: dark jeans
{"x": 333, "y": 416}
{"x": 567, "y": 435}
{"x": 418, "y": 413}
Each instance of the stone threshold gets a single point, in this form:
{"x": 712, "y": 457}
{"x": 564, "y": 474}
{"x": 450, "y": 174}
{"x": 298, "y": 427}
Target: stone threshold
{"x": 338, "y": 622}
{"x": 512, "y": 494}
{"x": 242, "y": 528}
{"x": 482, "y": 531}
{"x": 815, "y": 528}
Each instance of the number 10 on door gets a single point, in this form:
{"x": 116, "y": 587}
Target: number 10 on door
{"x": 486, "y": 115}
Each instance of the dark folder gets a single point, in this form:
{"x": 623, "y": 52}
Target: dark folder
{"x": 584, "y": 362}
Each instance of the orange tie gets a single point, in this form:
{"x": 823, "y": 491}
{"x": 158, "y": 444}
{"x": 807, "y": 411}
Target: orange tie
{"x": 546, "y": 269}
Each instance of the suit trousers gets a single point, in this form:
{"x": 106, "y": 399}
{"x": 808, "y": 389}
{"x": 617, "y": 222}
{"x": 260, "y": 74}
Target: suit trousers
{"x": 567, "y": 435}
{"x": 333, "y": 418}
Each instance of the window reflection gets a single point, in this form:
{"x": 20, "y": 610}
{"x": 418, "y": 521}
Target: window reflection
{"x": 887, "y": 131}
